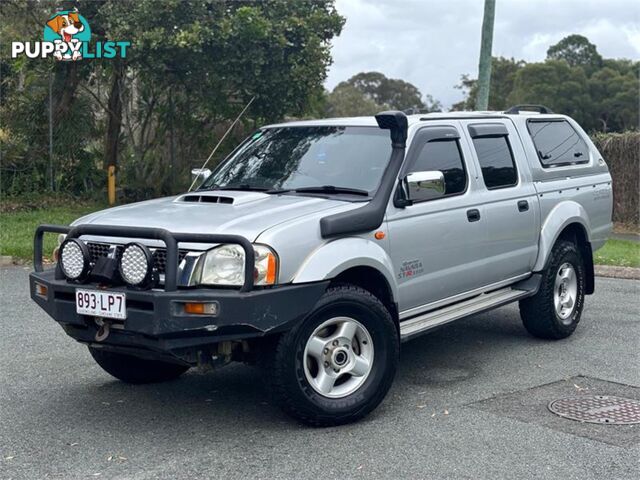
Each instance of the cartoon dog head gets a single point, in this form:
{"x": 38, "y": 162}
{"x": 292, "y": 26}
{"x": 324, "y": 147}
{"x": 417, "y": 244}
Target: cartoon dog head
{"x": 66, "y": 25}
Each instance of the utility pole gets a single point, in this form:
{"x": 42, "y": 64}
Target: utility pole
{"x": 484, "y": 67}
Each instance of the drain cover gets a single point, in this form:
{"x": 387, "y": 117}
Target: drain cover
{"x": 598, "y": 409}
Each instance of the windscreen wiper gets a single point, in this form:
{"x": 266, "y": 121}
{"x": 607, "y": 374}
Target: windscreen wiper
{"x": 331, "y": 189}
{"x": 241, "y": 187}
{"x": 317, "y": 189}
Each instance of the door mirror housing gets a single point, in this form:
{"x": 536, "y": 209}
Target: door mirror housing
{"x": 200, "y": 174}
{"x": 420, "y": 186}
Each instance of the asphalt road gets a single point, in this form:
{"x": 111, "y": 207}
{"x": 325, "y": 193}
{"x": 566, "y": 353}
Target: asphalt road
{"x": 62, "y": 417}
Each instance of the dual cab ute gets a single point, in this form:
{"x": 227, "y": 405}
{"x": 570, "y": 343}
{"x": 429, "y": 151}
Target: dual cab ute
{"x": 317, "y": 247}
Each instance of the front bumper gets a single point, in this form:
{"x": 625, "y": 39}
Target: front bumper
{"x": 157, "y": 327}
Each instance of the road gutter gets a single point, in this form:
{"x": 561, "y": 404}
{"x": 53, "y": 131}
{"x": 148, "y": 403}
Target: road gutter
{"x": 617, "y": 272}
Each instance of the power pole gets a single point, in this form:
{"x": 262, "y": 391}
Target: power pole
{"x": 484, "y": 67}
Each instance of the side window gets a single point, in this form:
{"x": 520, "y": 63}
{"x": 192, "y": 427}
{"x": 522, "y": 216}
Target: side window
{"x": 557, "y": 143}
{"x": 443, "y": 155}
{"x": 496, "y": 161}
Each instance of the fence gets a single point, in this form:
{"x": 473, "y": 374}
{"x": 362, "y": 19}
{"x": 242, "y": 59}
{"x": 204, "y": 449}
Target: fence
{"x": 622, "y": 154}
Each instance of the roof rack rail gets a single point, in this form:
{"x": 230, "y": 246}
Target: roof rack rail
{"x": 516, "y": 109}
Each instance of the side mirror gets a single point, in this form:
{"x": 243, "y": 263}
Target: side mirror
{"x": 421, "y": 186}
{"x": 200, "y": 174}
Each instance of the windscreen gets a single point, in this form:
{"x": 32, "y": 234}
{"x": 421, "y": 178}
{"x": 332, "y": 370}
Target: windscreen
{"x": 301, "y": 157}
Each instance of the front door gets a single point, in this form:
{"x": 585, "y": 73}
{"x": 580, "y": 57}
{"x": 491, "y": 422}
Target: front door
{"x": 435, "y": 245}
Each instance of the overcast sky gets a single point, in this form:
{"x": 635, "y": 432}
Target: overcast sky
{"x": 430, "y": 43}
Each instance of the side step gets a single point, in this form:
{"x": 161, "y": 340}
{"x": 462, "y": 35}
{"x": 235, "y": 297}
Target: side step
{"x": 486, "y": 301}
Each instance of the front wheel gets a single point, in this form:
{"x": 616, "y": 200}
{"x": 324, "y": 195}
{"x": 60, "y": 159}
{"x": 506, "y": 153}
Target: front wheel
{"x": 338, "y": 364}
{"x": 132, "y": 369}
{"x": 554, "y": 312}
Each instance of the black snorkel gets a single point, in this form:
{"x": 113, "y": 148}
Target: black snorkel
{"x": 370, "y": 216}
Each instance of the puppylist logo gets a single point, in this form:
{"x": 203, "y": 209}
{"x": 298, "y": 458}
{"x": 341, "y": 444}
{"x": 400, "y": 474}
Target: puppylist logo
{"x": 66, "y": 37}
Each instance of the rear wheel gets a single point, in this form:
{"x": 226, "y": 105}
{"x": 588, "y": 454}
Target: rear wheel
{"x": 554, "y": 312}
{"x": 338, "y": 364}
{"x": 132, "y": 369}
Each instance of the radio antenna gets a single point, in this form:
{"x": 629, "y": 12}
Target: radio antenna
{"x": 222, "y": 140}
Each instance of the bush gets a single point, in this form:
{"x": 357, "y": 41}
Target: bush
{"x": 621, "y": 151}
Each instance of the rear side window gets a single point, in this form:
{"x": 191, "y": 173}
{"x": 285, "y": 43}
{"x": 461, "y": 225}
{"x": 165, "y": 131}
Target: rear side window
{"x": 496, "y": 161}
{"x": 557, "y": 143}
{"x": 443, "y": 155}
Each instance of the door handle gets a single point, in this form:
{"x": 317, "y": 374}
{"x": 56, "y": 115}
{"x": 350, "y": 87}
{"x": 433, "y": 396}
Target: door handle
{"x": 473, "y": 215}
{"x": 523, "y": 206}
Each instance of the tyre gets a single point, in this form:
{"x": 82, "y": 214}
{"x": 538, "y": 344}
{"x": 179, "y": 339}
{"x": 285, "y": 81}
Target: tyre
{"x": 554, "y": 312}
{"x": 338, "y": 364}
{"x": 132, "y": 369}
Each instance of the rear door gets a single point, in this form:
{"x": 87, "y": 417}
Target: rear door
{"x": 508, "y": 197}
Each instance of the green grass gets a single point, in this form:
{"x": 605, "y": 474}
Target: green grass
{"x": 17, "y": 227}
{"x": 620, "y": 253}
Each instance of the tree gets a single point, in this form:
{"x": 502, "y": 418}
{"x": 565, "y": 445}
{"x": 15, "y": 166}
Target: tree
{"x": 577, "y": 51}
{"x": 556, "y": 85}
{"x": 396, "y": 94}
{"x": 503, "y": 71}
{"x": 431, "y": 104}
{"x": 176, "y": 92}
{"x": 24, "y": 110}
{"x": 223, "y": 54}
{"x": 347, "y": 101}
{"x": 601, "y": 94}
{"x": 616, "y": 97}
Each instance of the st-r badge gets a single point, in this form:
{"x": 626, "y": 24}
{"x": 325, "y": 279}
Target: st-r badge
{"x": 410, "y": 268}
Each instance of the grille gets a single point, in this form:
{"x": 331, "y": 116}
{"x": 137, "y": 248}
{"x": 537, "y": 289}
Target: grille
{"x": 98, "y": 250}
{"x": 160, "y": 258}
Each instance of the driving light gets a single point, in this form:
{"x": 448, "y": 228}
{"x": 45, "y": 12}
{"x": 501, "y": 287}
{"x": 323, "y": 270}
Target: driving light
{"x": 224, "y": 265}
{"x": 74, "y": 259}
{"x": 136, "y": 265}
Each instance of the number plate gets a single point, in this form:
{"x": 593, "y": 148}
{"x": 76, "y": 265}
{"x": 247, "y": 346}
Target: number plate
{"x": 101, "y": 304}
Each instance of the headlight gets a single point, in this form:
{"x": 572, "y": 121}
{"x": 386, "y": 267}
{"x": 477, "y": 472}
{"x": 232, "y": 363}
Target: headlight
{"x": 74, "y": 259}
{"x": 136, "y": 265}
{"x": 224, "y": 265}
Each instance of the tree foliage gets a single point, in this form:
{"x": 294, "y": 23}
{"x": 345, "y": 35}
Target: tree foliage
{"x": 192, "y": 66}
{"x": 347, "y": 101}
{"x": 577, "y": 51}
{"x": 503, "y": 72}
{"x": 601, "y": 94}
{"x": 555, "y": 84}
{"x": 369, "y": 92}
